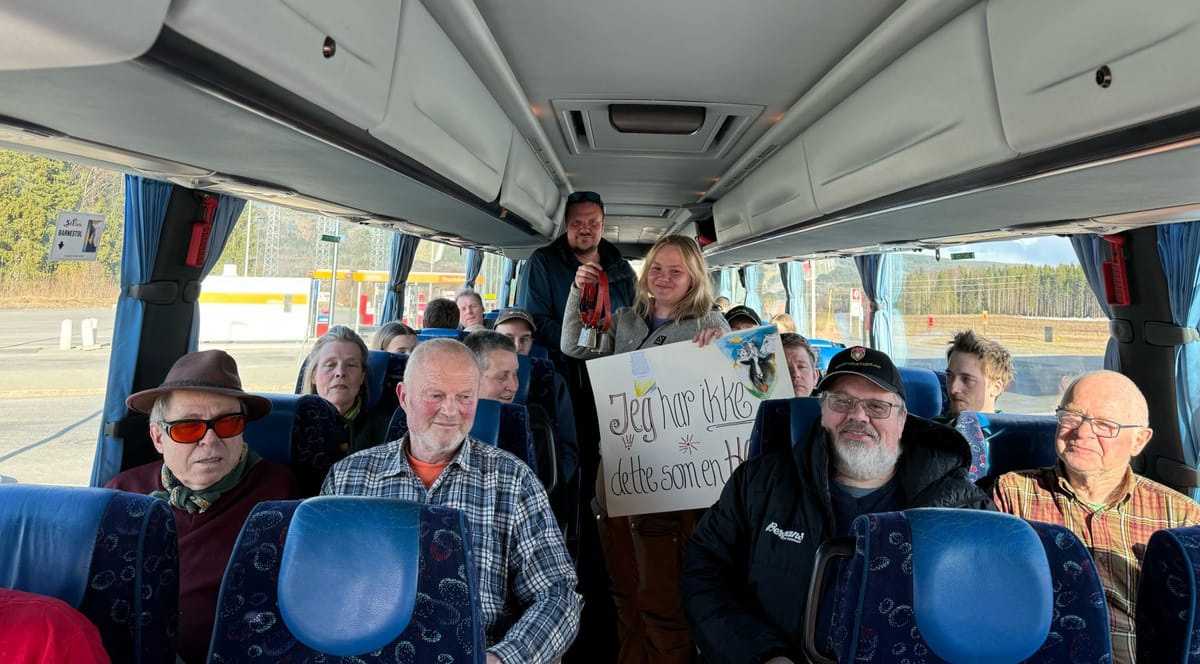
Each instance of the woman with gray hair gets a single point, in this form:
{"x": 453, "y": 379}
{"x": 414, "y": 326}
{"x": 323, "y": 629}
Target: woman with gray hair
{"x": 336, "y": 369}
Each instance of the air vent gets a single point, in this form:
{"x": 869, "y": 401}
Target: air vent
{"x": 634, "y": 127}
{"x": 656, "y": 119}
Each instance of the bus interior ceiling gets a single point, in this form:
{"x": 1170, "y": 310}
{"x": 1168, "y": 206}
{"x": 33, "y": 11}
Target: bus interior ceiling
{"x": 801, "y": 129}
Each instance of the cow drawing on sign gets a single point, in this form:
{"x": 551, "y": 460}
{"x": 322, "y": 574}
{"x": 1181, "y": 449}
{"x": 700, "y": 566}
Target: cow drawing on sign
{"x": 756, "y": 366}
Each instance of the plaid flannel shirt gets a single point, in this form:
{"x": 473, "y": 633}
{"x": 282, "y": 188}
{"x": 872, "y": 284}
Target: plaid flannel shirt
{"x": 526, "y": 580}
{"x": 1116, "y": 534}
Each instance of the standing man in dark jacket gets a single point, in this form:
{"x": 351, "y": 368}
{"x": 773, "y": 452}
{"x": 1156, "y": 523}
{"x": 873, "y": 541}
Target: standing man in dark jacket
{"x": 543, "y": 290}
{"x": 550, "y": 271}
{"x": 750, "y": 558}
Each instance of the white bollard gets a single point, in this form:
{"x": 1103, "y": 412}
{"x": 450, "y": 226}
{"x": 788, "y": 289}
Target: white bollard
{"x": 87, "y": 333}
{"x": 64, "y": 335}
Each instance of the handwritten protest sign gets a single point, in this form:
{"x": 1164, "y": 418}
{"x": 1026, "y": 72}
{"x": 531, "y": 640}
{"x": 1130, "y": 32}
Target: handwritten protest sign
{"x": 675, "y": 420}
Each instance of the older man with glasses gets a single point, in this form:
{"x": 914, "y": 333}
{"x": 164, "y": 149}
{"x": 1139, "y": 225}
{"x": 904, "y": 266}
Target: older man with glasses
{"x": 1102, "y": 425}
{"x": 753, "y": 551}
{"x": 208, "y": 475}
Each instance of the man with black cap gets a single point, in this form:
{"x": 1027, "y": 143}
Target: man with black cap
{"x": 753, "y": 551}
{"x": 209, "y": 476}
{"x": 742, "y": 317}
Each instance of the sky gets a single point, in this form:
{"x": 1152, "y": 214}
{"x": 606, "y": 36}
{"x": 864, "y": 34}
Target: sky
{"x": 1050, "y": 250}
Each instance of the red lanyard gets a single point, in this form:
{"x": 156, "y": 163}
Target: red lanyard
{"x": 595, "y": 308}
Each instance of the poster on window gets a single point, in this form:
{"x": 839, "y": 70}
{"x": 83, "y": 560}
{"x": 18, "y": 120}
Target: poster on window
{"x": 76, "y": 236}
{"x": 675, "y": 420}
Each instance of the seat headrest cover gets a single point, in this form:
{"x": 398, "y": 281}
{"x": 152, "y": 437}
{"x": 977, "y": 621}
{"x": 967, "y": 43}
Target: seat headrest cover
{"x": 487, "y": 422}
{"x": 923, "y": 390}
{"x": 377, "y": 371}
{"x": 49, "y": 536}
{"x": 1020, "y": 442}
{"x": 348, "y": 576}
{"x": 524, "y": 370}
{"x": 806, "y": 413}
{"x": 979, "y": 578}
{"x": 436, "y": 332}
{"x": 271, "y": 436}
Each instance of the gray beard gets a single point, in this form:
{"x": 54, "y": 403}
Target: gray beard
{"x": 864, "y": 463}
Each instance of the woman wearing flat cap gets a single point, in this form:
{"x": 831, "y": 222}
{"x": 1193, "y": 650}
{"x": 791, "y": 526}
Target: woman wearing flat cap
{"x": 208, "y": 474}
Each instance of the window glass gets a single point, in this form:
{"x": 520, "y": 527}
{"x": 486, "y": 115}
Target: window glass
{"x": 1030, "y": 295}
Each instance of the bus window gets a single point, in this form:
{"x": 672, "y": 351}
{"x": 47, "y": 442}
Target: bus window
{"x": 1029, "y": 295}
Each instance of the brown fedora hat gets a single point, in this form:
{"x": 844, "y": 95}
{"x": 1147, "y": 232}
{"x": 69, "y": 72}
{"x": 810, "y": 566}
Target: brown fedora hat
{"x": 212, "y": 371}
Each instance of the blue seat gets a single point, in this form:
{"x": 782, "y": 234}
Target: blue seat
{"x": 780, "y": 423}
{"x": 1010, "y": 441}
{"x": 539, "y": 351}
{"x": 110, "y": 554}
{"x": 1168, "y": 619}
{"x": 932, "y": 585}
{"x": 396, "y": 584}
{"x": 504, "y": 425}
{"x": 439, "y": 333}
{"x": 825, "y": 351}
{"x": 924, "y": 393}
{"x": 301, "y": 431}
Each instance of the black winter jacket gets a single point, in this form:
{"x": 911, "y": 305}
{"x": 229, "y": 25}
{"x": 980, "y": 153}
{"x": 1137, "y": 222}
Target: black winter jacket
{"x": 748, "y": 563}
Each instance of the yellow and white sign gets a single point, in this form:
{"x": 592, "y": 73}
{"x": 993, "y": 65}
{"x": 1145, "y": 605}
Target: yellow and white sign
{"x": 675, "y": 420}
{"x": 76, "y": 236}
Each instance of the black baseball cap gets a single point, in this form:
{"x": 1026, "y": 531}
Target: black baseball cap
{"x": 869, "y": 363}
{"x": 742, "y": 311}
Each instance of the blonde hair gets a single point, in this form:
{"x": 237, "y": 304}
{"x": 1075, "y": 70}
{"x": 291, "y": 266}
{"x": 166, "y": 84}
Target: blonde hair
{"x": 698, "y": 300}
{"x": 784, "y": 322}
{"x": 997, "y": 361}
{"x": 336, "y": 334}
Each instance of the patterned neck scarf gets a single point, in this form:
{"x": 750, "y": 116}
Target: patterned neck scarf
{"x": 199, "y": 500}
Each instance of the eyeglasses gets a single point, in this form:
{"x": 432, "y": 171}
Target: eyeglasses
{"x": 1101, "y": 427}
{"x": 188, "y": 432}
{"x": 585, "y": 197}
{"x": 875, "y": 409}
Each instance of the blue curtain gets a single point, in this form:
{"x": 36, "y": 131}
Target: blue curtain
{"x": 1089, "y": 250}
{"x": 877, "y": 274}
{"x": 797, "y": 303}
{"x": 404, "y": 250}
{"x": 1179, "y": 251}
{"x": 229, "y": 209}
{"x": 725, "y": 285}
{"x": 753, "y": 280}
{"x": 474, "y": 265}
{"x": 509, "y": 270}
{"x": 145, "y": 208}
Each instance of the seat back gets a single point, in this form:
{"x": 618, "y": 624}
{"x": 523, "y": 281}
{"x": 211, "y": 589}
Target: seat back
{"x": 503, "y": 425}
{"x": 438, "y": 333}
{"x": 300, "y": 431}
{"x": 1010, "y": 441}
{"x": 110, "y": 554}
{"x": 924, "y": 393}
{"x": 782, "y": 423}
{"x": 397, "y": 584}
{"x": 1168, "y": 623}
{"x": 536, "y": 376}
{"x": 1038, "y": 598}
{"x": 539, "y": 351}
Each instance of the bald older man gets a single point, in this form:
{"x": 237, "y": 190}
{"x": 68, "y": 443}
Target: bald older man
{"x": 530, "y": 610}
{"x": 1102, "y": 425}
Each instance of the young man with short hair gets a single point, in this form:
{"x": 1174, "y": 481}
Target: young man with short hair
{"x": 977, "y": 371}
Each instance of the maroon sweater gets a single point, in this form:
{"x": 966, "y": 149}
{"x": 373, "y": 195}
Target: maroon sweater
{"x": 206, "y": 542}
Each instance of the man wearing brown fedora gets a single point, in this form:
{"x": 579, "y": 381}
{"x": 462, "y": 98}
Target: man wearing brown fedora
{"x": 209, "y": 476}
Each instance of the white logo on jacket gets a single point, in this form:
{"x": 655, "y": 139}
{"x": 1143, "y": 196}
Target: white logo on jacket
{"x": 785, "y": 535}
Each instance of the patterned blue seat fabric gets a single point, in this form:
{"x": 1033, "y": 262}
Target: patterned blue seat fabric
{"x": 931, "y": 585}
{"x": 1168, "y": 623}
{"x": 300, "y": 431}
{"x": 393, "y": 585}
{"x": 111, "y": 554}
{"x": 923, "y": 391}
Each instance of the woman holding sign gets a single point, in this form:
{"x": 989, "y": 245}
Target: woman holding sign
{"x": 674, "y": 302}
